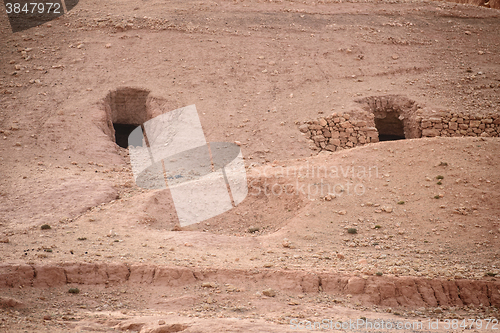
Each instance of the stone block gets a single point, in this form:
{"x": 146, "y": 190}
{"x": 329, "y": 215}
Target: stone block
{"x": 314, "y": 127}
{"x": 345, "y": 124}
{"x": 425, "y": 124}
{"x": 335, "y": 142}
{"x": 304, "y": 128}
{"x": 475, "y": 123}
{"x": 430, "y": 132}
{"x": 318, "y": 138}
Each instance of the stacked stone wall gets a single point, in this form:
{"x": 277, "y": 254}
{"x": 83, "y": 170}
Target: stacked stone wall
{"x": 457, "y": 124}
{"x": 341, "y": 131}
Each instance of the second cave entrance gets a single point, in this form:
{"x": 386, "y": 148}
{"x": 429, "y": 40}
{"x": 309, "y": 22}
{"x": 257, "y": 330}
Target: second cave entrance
{"x": 390, "y": 127}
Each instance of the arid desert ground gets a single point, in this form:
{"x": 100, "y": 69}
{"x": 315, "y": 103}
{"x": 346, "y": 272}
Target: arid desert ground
{"x": 396, "y": 232}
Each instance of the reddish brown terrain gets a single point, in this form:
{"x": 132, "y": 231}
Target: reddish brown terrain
{"x": 400, "y": 231}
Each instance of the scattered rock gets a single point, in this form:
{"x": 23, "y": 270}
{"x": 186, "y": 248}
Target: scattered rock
{"x": 209, "y": 285}
{"x": 253, "y": 229}
{"x": 329, "y": 197}
{"x": 286, "y": 243}
{"x": 269, "y": 292}
{"x": 8, "y": 302}
{"x": 387, "y": 209}
{"x": 74, "y": 291}
{"x": 166, "y": 328}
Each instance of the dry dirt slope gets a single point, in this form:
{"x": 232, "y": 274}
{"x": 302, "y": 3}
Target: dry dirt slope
{"x": 219, "y": 269}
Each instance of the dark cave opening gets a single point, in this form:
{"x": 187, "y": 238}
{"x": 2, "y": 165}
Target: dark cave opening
{"x": 122, "y": 132}
{"x": 390, "y": 127}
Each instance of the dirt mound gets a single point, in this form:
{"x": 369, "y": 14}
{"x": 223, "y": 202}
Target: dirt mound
{"x": 270, "y": 204}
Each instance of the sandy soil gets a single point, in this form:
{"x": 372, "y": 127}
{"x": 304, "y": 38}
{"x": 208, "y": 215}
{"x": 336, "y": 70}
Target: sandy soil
{"x": 425, "y": 211}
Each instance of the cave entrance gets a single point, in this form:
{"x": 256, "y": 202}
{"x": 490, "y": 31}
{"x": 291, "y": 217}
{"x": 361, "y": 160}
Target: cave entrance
{"x": 127, "y": 108}
{"x": 390, "y": 127}
{"x": 395, "y": 116}
{"x": 122, "y": 131}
